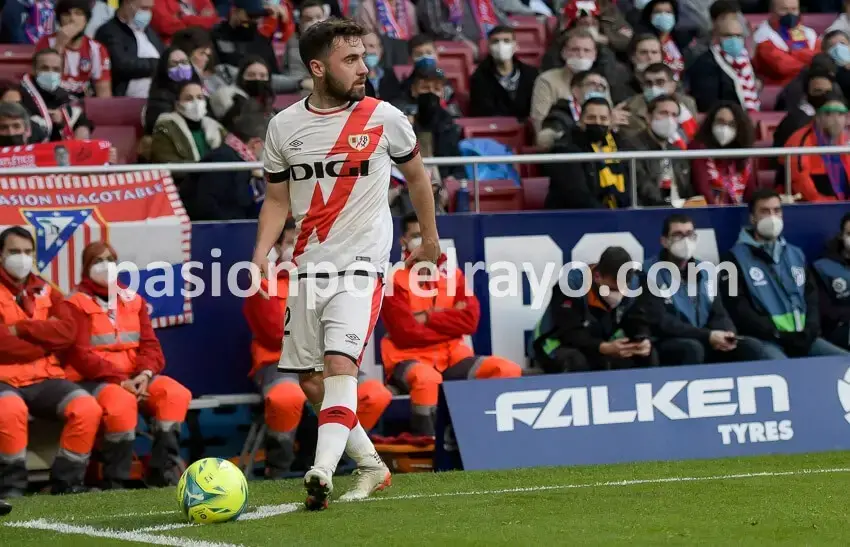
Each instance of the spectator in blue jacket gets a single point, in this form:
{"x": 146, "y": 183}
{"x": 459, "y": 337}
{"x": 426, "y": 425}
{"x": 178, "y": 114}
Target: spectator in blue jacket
{"x": 833, "y": 276}
{"x": 694, "y": 327}
{"x": 772, "y": 297}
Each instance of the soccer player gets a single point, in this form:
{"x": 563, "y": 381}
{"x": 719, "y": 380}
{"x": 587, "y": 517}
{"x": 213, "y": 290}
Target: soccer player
{"x": 329, "y": 157}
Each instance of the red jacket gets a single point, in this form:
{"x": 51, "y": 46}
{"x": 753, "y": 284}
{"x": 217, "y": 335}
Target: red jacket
{"x": 775, "y": 61}
{"x": 441, "y": 326}
{"x": 91, "y": 366}
{"x": 266, "y": 319}
{"x": 35, "y": 339}
{"x": 170, "y": 16}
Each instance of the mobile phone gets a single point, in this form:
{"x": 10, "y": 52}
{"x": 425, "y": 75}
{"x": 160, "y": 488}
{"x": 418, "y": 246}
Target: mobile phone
{"x": 640, "y": 338}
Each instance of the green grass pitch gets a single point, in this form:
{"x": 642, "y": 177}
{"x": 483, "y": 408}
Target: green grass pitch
{"x": 773, "y": 500}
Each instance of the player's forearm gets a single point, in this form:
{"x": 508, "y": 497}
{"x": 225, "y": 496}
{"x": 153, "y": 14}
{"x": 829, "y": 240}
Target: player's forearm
{"x": 422, "y": 197}
{"x": 272, "y": 218}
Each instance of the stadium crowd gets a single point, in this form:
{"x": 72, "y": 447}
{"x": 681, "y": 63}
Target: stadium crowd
{"x": 201, "y": 80}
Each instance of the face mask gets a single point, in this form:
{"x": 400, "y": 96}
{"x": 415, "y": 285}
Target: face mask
{"x": 665, "y": 127}
{"x": 257, "y": 88}
{"x": 413, "y": 244}
{"x": 12, "y": 140}
{"x": 732, "y": 45}
{"x": 99, "y": 272}
{"x": 613, "y": 299}
{"x": 576, "y": 64}
{"x": 48, "y": 81}
{"x": 194, "y": 110}
{"x": 770, "y": 227}
{"x": 664, "y": 22}
{"x": 371, "y": 60}
{"x": 142, "y": 19}
{"x": 683, "y": 249}
{"x": 789, "y": 20}
{"x": 427, "y": 106}
{"x": 816, "y": 101}
{"x": 595, "y": 95}
{"x": 640, "y": 67}
{"x": 18, "y": 265}
{"x": 652, "y": 92}
{"x": 502, "y": 51}
{"x": 596, "y": 132}
{"x": 180, "y": 73}
{"x": 724, "y": 134}
{"x": 424, "y": 61}
{"x": 840, "y": 53}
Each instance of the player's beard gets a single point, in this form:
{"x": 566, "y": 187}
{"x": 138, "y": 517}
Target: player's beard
{"x": 335, "y": 88}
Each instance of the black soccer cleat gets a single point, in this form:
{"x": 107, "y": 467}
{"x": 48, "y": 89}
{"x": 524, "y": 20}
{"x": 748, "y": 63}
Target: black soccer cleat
{"x": 319, "y": 489}
{"x": 5, "y": 508}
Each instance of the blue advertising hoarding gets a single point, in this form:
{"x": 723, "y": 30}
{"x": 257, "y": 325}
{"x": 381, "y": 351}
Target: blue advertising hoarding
{"x": 211, "y": 355}
{"x": 672, "y": 413}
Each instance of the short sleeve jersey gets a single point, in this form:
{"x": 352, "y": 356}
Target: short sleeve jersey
{"x": 84, "y": 67}
{"x": 337, "y": 164}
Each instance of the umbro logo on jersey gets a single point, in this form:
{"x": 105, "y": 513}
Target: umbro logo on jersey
{"x": 295, "y": 145}
{"x": 358, "y": 142}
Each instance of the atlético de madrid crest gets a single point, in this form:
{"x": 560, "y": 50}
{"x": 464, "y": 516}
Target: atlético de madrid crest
{"x": 358, "y": 142}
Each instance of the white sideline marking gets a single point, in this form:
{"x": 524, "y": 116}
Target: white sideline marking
{"x": 132, "y": 535}
{"x": 143, "y": 535}
{"x": 631, "y": 482}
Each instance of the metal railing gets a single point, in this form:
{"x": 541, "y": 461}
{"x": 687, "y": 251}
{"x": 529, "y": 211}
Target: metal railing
{"x": 632, "y": 157}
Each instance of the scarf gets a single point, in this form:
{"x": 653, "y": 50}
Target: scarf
{"x": 575, "y": 108}
{"x": 834, "y": 167}
{"x": 727, "y": 181}
{"x": 740, "y": 70}
{"x": 394, "y": 25}
{"x": 482, "y": 10}
{"x": 611, "y": 184}
{"x": 672, "y": 56}
{"x": 258, "y": 185}
{"x": 30, "y": 88}
{"x": 41, "y": 21}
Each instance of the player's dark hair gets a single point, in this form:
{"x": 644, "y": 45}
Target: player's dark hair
{"x": 318, "y": 41}
{"x": 595, "y": 100}
{"x": 611, "y": 260}
{"x": 654, "y": 103}
{"x": 42, "y": 52}
{"x": 407, "y": 220}
{"x": 675, "y": 218}
{"x": 15, "y": 231}
{"x": 65, "y": 6}
{"x": 832, "y": 34}
{"x": 762, "y": 194}
{"x": 578, "y": 78}
{"x": 14, "y": 111}
{"x": 306, "y": 4}
{"x": 249, "y": 124}
{"x": 500, "y": 29}
{"x": 419, "y": 40}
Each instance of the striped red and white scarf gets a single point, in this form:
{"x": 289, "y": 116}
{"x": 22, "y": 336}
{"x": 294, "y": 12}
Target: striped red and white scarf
{"x": 740, "y": 69}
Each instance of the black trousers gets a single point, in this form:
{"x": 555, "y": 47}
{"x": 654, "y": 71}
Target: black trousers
{"x": 689, "y": 351}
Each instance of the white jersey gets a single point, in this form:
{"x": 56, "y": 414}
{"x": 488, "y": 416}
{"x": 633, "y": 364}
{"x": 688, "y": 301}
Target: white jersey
{"x": 337, "y": 163}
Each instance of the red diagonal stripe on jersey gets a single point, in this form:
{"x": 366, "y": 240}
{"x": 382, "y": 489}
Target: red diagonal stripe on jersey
{"x": 321, "y": 216}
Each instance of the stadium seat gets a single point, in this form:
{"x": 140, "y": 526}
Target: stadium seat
{"x": 123, "y": 138}
{"x": 14, "y": 71}
{"x": 508, "y": 131}
{"x": 534, "y": 190}
{"x": 551, "y": 29}
{"x": 457, "y": 79}
{"x": 462, "y": 102}
{"x": 766, "y": 123}
{"x": 116, "y": 111}
{"x": 283, "y": 101}
{"x": 530, "y": 56}
{"x": 529, "y": 169}
{"x": 818, "y": 22}
{"x": 452, "y": 186}
{"x": 279, "y": 51}
{"x": 755, "y": 19}
{"x": 768, "y": 96}
{"x": 766, "y": 178}
{"x": 16, "y": 53}
{"x": 455, "y": 54}
{"x": 497, "y": 195}
{"x": 529, "y": 29}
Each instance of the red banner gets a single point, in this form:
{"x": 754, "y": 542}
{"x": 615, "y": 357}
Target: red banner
{"x": 53, "y": 154}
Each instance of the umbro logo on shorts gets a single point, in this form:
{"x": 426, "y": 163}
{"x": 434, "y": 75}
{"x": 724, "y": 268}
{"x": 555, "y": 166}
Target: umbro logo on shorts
{"x": 352, "y": 338}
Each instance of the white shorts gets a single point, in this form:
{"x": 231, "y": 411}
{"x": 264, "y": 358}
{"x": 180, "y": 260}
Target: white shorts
{"x": 329, "y": 316}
